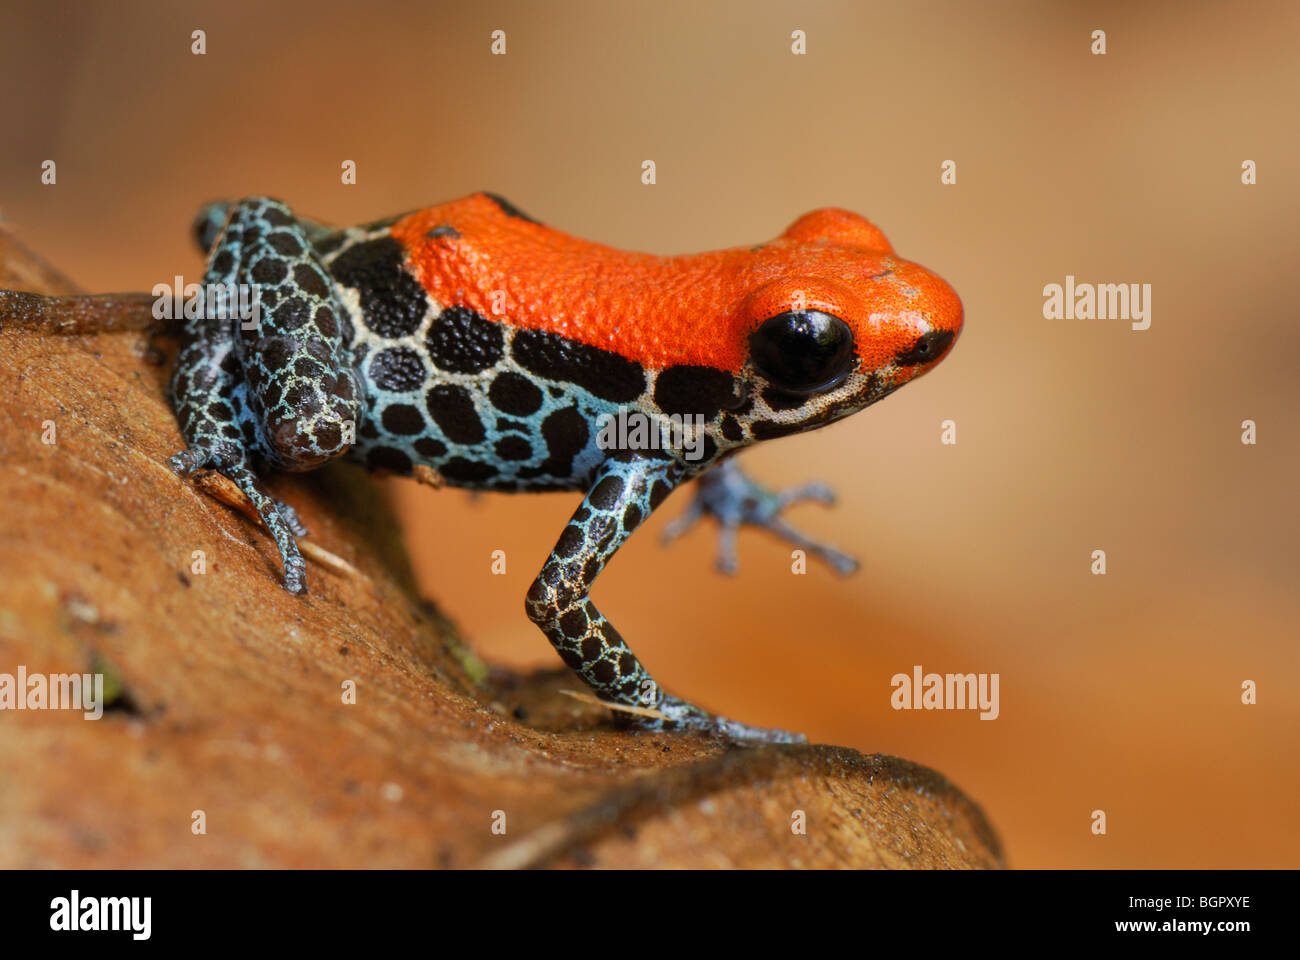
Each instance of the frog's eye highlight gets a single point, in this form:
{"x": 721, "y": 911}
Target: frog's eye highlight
{"x": 802, "y": 351}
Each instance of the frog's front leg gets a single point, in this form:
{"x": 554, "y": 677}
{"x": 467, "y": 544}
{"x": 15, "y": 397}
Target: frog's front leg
{"x": 271, "y": 387}
{"x": 624, "y": 490}
{"x": 734, "y": 500}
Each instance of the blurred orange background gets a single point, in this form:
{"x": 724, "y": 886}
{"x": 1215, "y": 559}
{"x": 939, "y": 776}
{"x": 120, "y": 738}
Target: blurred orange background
{"x": 1119, "y": 692}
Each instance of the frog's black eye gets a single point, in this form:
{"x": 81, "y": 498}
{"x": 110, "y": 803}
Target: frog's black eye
{"x": 802, "y": 351}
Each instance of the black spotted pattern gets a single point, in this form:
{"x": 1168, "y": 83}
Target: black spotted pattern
{"x": 352, "y": 355}
{"x": 601, "y": 373}
{"x": 460, "y": 341}
{"x": 269, "y": 386}
{"x": 392, "y": 301}
{"x": 558, "y": 602}
{"x": 515, "y": 394}
{"x": 690, "y": 390}
{"x": 452, "y": 409}
{"x": 398, "y": 370}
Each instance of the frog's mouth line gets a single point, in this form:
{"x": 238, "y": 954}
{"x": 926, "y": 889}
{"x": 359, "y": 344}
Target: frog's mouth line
{"x": 766, "y": 422}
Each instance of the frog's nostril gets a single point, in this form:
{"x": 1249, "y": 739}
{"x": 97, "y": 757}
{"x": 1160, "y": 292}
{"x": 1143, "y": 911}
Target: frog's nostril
{"x": 928, "y": 347}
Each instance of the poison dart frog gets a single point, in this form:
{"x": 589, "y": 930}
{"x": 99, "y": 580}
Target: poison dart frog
{"x": 470, "y": 340}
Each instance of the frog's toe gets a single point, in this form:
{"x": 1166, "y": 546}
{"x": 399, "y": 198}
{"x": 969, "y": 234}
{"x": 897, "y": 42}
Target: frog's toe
{"x": 188, "y": 462}
{"x": 841, "y": 563}
{"x": 678, "y": 714}
{"x": 816, "y": 491}
{"x": 743, "y": 733}
{"x": 295, "y": 575}
{"x": 679, "y": 525}
{"x": 280, "y": 519}
{"x": 728, "y": 559}
{"x": 291, "y": 518}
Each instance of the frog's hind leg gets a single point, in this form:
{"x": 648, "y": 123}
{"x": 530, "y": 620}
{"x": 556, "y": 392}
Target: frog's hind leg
{"x": 267, "y": 382}
{"x": 211, "y": 425}
{"x": 212, "y": 217}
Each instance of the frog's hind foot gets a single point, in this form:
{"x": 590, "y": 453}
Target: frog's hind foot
{"x": 281, "y": 520}
{"x": 679, "y": 715}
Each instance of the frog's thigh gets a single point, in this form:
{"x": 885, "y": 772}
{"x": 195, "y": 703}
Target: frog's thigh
{"x": 301, "y": 385}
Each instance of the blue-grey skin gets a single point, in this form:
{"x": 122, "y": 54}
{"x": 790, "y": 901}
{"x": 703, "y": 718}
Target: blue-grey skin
{"x": 350, "y": 358}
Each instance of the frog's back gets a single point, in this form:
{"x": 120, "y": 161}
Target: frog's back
{"x": 457, "y": 378}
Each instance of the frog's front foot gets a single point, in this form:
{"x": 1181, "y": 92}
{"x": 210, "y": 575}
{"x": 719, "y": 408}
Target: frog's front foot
{"x": 734, "y": 500}
{"x": 677, "y": 714}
